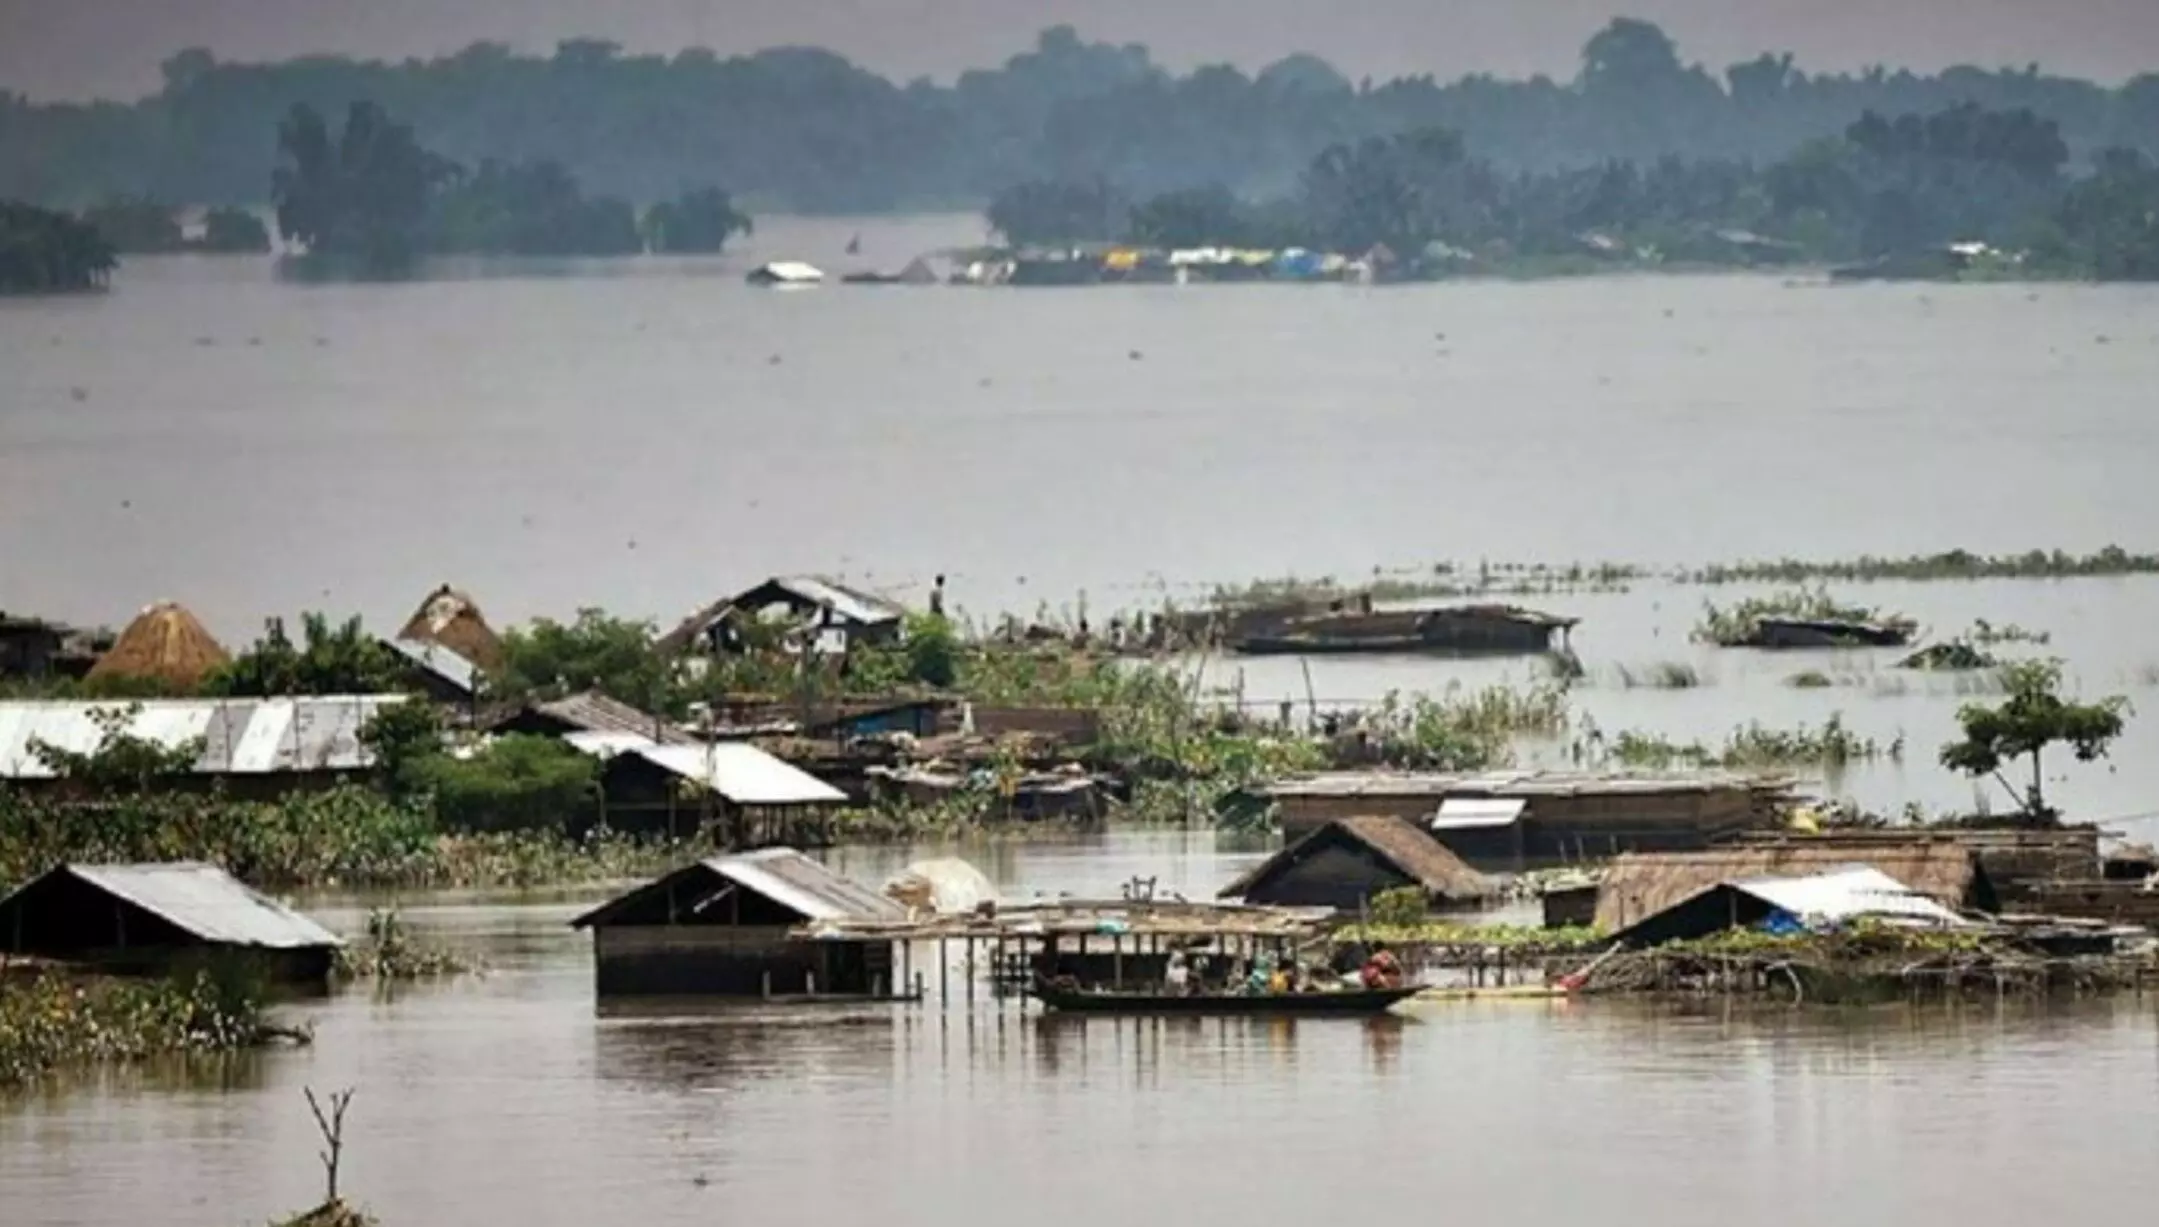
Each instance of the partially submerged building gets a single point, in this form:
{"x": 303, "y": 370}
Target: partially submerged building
{"x": 1347, "y": 862}
{"x": 829, "y": 613}
{"x": 1509, "y": 821}
{"x": 1459, "y": 629}
{"x": 740, "y": 792}
{"x": 1776, "y": 632}
{"x": 29, "y": 647}
{"x": 1830, "y": 899}
{"x": 148, "y": 918}
{"x": 724, "y": 927}
{"x": 251, "y": 747}
{"x": 1642, "y": 885}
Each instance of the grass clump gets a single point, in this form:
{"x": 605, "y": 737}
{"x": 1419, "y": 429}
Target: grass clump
{"x": 1810, "y": 679}
{"x": 1662, "y": 675}
{"x": 52, "y": 1021}
{"x": 387, "y": 951}
{"x": 1754, "y": 746}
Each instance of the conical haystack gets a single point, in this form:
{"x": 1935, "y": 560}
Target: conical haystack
{"x": 166, "y": 643}
{"x": 450, "y": 618}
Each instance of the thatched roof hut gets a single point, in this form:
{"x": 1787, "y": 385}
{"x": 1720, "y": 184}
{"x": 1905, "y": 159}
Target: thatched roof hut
{"x": 449, "y": 617}
{"x": 1642, "y": 884}
{"x": 164, "y": 643}
{"x": 1346, "y": 862}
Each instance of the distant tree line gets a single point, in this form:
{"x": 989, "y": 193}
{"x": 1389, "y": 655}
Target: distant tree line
{"x": 1883, "y": 186}
{"x": 371, "y": 193}
{"x": 137, "y": 225}
{"x": 805, "y": 129}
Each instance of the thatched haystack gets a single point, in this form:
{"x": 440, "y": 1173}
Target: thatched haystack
{"x": 1640, "y": 884}
{"x": 164, "y": 643}
{"x": 449, "y": 617}
{"x": 943, "y": 886}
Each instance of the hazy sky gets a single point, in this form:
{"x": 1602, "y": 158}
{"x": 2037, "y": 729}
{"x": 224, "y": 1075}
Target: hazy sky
{"x": 86, "y": 48}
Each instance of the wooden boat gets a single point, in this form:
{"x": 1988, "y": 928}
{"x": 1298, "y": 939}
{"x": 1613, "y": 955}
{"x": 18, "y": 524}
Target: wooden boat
{"x": 1265, "y": 1005}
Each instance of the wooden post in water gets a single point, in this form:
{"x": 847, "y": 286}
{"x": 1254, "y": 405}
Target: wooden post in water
{"x": 971, "y": 969}
{"x": 768, "y": 985}
{"x": 1116, "y": 959}
{"x": 944, "y": 976}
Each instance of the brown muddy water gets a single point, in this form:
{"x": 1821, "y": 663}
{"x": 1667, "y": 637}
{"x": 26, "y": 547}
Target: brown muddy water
{"x": 510, "y": 1098}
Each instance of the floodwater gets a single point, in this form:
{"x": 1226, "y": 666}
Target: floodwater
{"x": 509, "y": 1098}
{"x": 643, "y": 435}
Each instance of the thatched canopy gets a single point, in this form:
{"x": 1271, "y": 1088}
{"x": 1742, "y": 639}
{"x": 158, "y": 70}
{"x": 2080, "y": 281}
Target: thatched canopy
{"x": 450, "y": 618}
{"x": 165, "y": 643}
{"x": 1640, "y": 884}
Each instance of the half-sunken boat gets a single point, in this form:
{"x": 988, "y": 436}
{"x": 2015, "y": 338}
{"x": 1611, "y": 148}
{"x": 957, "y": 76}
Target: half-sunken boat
{"x": 1070, "y": 999}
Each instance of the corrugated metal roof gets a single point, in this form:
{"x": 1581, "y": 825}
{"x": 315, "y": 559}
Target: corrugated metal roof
{"x": 786, "y": 876}
{"x": 596, "y": 712}
{"x": 849, "y": 603}
{"x": 203, "y": 900}
{"x": 744, "y": 774}
{"x": 736, "y": 770}
{"x": 1848, "y": 894}
{"x": 1461, "y": 813}
{"x": 240, "y": 736}
{"x": 783, "y": 875}
{"x": 439, "y": 661}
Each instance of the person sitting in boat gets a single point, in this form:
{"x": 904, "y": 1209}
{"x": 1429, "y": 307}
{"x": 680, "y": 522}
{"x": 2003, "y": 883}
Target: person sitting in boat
{"x": 1281, "y": 980}
{"x": 1381, "y": 970}
{"x": 1178, "y": 978}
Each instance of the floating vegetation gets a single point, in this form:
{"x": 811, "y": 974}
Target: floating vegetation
{"x": 1987, "y": 634}
{"x": 1955, "y": 655}
{"x": 1828, "y": 747}
{"x": 1458, "y": 731}
{"x": 1809, "y": 679}
{"x": 51, "y": 1021}
{"x": 1740, "y": 625}
{"x": 1663, "y": 675}
{"x": 1948, "y": 565}
{"x": 388, "y": 952}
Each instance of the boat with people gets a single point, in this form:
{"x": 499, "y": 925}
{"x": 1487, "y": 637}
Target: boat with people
{"x": 1071, "y": 999}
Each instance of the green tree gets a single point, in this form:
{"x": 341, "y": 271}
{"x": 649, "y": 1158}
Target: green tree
{"x": 2034, "y": 716}
{"x": 616, "y": 656}
{"x": 136, "y": 225}
{"x": 528, "y": 209}
{"x": 341, "y": 659}
{"x": 1050, "y": 212}
{"x": 121, "y": 762}
{"x": 933, "y": 650}
{"x": 698, "y": 222}
{"x": 228, "y": 231}
{"x": 43, "y": 252}
{"x": 363, "y": 195}
{"x": 400, "y": 738}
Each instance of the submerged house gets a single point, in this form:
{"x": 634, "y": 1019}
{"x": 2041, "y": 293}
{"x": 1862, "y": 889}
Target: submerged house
{"x": 1509, "y": 821}
{"x": 1790, "y": 904}
{"x": 1345, "y": 863}
{"x": 1825, "y": 633}
{"x": 250, "y": 747}
{"x": 749, "y": 796}
{"x": 1640, "y": 886}
{"x": 723, "y": 927}
{"x": 1461, "y": 629}
{"x": 826, "y": 609}
{"x": 147, "y": 918}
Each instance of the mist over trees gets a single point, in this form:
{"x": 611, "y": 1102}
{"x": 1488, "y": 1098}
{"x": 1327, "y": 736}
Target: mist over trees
{"x": 804, "y": 129}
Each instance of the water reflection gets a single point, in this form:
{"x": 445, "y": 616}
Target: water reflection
{"x": 516, "y": 1097}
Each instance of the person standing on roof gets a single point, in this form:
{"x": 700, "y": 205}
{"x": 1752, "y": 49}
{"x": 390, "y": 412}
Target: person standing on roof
{"x": 937, "y": 598}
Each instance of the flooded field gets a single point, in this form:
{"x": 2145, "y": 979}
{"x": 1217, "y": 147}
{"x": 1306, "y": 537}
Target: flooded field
{"x": 510, "y": 1098}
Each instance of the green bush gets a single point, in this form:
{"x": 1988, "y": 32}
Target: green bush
{"x": 513, "y": 783}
